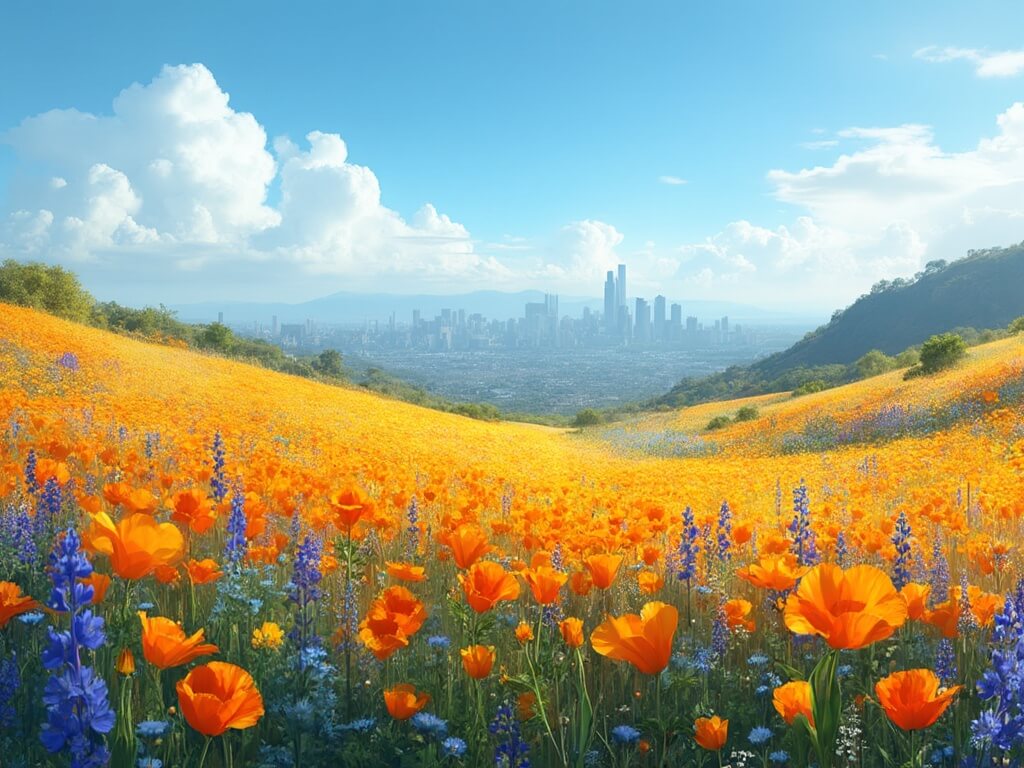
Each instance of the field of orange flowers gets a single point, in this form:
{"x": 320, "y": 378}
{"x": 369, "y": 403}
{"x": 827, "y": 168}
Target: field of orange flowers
{"x": 206, "y": 564}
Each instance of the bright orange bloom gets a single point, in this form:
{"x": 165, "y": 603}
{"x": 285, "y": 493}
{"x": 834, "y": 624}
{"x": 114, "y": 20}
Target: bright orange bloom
{"x": 203, "y": 571}
{"x": 136, "y": 545}
{"x": 132, "y": 499}
{"x": 945, "y": 617}
{"x": 849, "y": 609}
{"x": 912, "y": 700}
{"x": 603, "y": 569}
{"x": 711, "y": 733}
{"x": 736, "y": 612}
{"x": 403, "y": 701}
{"x": 216, "y": 696}
{"x": 524, "y": 633}
{"x": 100, "y": 583}
{"x": 916, "y": 597}
{"x": 392, "y": 619}
{"x": 478, "y": 660}
{"x": 645, "y": 641}
{"x": 545, "y": 583}
{"x": 167, "y": 574}
{"x": 649, "y": 582}
{"x": 581, "y": 583}
{"x": 775, "y": 572}
{"x": 125, "y": 662}
{"x": 793, "y": 699}
{"x": 195, "y": 509}
{"x": 164, "y": 643}
{"x": 486, "y": 584}
{"x": 405, "y": 571}
{"x": 572, "y": 631}
{"x": 526, "y": 705}
{"x": 468, "y": 544}
{"x": 12, "y": 602}
{"x": 349, "y": 507}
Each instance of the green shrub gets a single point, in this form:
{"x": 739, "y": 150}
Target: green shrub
{"x": 809, "y": 387}
{"x": 718, "y": 422}
{"x": 588, "y": 417}
{"x": 941, "y": 351}
{"x": 746, "y": 413}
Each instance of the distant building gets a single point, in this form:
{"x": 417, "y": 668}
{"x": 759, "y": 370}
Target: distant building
{"x": 659, "y": 318}
{"x": 220, "y": 318}
{"x": 611, "y": 305}
{"x": 275, "y": 330}
{"x": 620, "y": 287}
{"x": 642, "y": 330}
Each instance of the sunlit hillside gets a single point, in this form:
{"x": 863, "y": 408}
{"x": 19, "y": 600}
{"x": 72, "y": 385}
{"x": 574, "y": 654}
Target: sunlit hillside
{"x": 120, "y": 430}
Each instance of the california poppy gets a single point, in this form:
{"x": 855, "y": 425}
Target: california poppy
{"x": 468, "y": 543}
{"x": 649, "y": 582}
{"x": 711, "y": 733}
{"x": 572, "y": 631}
{"x": 581, "y": 583}
{"x": 774, "y": 572}
{"x": 12, "y": 602}
{"x": 349, "y": 507}
{"x": 916, "y": 597}
{"x": 477, "y": 660}
{"x": 392, "y": 619}
{"x": 164, "y": 643}
{"x": 736, "y": 612}
{"x": 912, "y": 700}
{"x": 793, "y": 699}
{"x": 849, "y": 609}
{"x": 603, "y": 568}
{"x": 195, "y": 509}
{"x": 405, "y": 571}
{"x": 545, "y": 583}
{"x": 403, "y": 701}
{"x": 216, "y": 696}
{"x": 524, "y": 633}
{"x": 136, "y": 545}
{"x": 125, "y": 664}
{"x": 203, "y": 571}
{"x": 645, "y": 641}
{"x": 100, "y": 583}
{"x": 486, "y": 584}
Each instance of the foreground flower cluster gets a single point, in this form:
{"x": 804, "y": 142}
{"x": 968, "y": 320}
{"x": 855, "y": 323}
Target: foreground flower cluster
{"x": 206, "y": 565}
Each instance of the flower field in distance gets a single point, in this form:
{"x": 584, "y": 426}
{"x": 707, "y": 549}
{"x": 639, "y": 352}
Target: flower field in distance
{"x": 207, "y": 564}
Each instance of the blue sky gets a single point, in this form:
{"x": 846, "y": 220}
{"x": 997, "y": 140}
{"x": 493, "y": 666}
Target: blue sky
{"x": 538, "y": 133}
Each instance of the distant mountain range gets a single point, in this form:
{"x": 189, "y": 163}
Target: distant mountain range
{"x": 356, "y": 308}
{"x": 983, "y": 290}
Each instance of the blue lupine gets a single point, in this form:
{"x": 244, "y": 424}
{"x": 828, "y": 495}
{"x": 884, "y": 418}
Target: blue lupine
{"x": 720, "y": 634}
{"x": 237, "y": 545}
{"x": 17, "y": 533}
{"x": 803, "y": 536}
{"x": 689, "y": 548}
{"x": 412, "y": 542}
{"x": 945, "y": 661}
{"x": 841, "y": 550}
{"x": 304, "y": 591}
{"x": 938, "y": 575}
{"x": 724, "y": 531}
{"x": 218, "y": 483}
{"x": 511, "y": 751}
{"x": 901, "y": 541}
{"x": 10, "y": 682}
{"x": 31, "y": 484}
{"x": 965, "y": 622}
{"x": 68, "y": 361}
{"x": 1002, "y": 725}
{"x": 78, "y": 710}
{"x": 625, "y": 735}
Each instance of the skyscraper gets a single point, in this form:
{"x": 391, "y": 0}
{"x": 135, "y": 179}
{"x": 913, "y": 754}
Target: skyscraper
{"x": 620, "y": 287}
{"x": 611, "y": 307}
{"x": 659, "y": 318}
{"x": 642, "y": 323}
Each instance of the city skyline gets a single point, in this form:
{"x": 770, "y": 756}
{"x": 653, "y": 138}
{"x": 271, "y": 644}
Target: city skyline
{"x": 425, "y": 150}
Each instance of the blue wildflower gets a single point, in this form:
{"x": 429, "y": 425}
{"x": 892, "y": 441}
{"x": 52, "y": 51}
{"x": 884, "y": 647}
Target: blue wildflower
{"x": 759, "y": 735}
{"x": 686, "y": 565}
{"x": 511, "y": 751}
{"x": 724, "y": 531}
{"x": 152, "y": 729}
{"x": 430, "y": 725}
{"x": 779, "y": 756}
{"x": 10, "y": 682}
{"x": 439, "y": 642}
{"x": 901, "y": 541}
{"x": 625, "y": 735}
{"x": 453, "y": 747}
{"x": 218, "y": 484}
{"x": 362, "y": 725}
{"x": 236, "y": 545}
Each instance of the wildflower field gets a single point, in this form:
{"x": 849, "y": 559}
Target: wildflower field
{"x": 207, "y": 564}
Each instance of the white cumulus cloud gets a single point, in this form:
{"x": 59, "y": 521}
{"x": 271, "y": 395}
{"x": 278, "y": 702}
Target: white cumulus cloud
{"x": 986, "y": 63}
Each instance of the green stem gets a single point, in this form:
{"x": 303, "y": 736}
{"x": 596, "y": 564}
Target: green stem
{"x": 202, "y": 756}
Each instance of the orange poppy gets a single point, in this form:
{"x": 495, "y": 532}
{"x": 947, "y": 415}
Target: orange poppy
{"x": 711, "y": 733}
{"x": 125, "y": 662}
{"x": 195, "y": 509}
{"x": 649, "y": 582}
{"x": 848, "y": 609}
{"x": 13, "y": 603}
{"x": 645, "y": 641}
{"x": 916, "y": 597}
{"x": 775, "y": 572}
{"x": 349, "y": 507}
{"x": 468, "y": 543}
{"x": 405, "y": 571}
{"x": 216, "y": 696}
{"x": 166, "y": 574}
{"x": 736, "y": 612}
{"x": 392, "y": 619}
{"x": 478, "y": 660}
{"x": 100, "y": 583}
{"x": 526, "y": 705}
{"x": 203, "y": 571}
{"x": 486, "y": 584}
{"x": 572, "y": 631}
{"x": 524, "y": 633}
{"x": 581, "y": 583}
{"x": 912, "y": 700}
{"x": 603, "y": 568}
{"x": 403, "y": 701}
{"x": 545, "y": 583}
{"x": 793, "y": 699}
{"x": 136, "y": 545}
{"x": 164, "y": 643}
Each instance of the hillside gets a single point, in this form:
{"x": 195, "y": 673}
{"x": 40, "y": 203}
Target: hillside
{"x": 984, "y": 290}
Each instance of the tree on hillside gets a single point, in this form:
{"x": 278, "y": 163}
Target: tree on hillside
{"x": 874, "y": 363}
{"x": 217, "y": 336}
{"x": 44, "y": 287}
{"x": 1017, "y": 326}
{"x": 941, "y": 351}
{"x": 329, "y": 363}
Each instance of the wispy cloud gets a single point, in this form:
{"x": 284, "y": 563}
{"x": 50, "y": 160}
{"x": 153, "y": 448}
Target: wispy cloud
{"x": 823, "y": 144}
{"x": 673, "y": 181}
{"x": 986, "y": 63}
